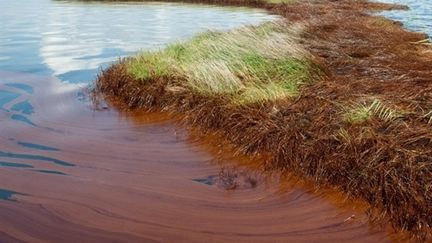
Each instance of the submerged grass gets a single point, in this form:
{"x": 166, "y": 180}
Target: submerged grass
{"x": 252, "y": 64}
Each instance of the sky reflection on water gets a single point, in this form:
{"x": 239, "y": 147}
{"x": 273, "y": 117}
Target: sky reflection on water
{"x": 73, "y": 40}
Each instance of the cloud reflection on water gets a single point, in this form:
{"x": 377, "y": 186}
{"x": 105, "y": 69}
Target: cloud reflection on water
{"x": 72, "y": 40}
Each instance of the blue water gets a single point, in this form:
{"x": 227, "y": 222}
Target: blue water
{"x": 24, "y": 107}
{"x": 417, "y": 18}
{"x": 16, "y": 165}
{"x": 8, "y": 194}
{"x": 72, "y": 40}
{"x": 6, "y": 97}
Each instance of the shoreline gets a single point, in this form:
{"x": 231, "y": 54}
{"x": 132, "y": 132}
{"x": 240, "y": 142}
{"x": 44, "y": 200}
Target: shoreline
{"x": 382, "y": 160}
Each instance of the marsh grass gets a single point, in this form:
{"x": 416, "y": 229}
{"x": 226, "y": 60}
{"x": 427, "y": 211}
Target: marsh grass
{"x": 383, "y": 161}
{"x": 363, "y": 112}
{"x": 249, "y": 65}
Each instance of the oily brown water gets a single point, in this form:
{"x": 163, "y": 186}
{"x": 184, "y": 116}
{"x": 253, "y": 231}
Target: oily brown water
{"x": 70, "y": 173}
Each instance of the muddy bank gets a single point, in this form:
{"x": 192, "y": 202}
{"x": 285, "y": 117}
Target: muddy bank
{"x": 364, "y": 129}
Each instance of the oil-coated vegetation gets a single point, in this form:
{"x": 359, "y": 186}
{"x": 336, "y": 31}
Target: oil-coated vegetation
{"x": 334, "y": 94}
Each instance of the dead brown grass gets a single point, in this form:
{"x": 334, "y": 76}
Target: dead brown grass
{"x": 386, "y": 163}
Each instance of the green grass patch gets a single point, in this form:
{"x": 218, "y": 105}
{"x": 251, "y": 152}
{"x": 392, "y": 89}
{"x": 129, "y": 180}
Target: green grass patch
{"x": 361, "y": 113}
{"x": 249, "y": 65}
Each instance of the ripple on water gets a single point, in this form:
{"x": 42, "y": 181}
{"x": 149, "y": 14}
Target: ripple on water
{"x": 23, "y": 119}
{"x": 8, "y": 195}
{"x": 24, "y": 107}
{"x": 37, "y": 146}
{"x": 6, "y": 97}
{"x": 16, "y": 165}
{"x": 35, "y": 157}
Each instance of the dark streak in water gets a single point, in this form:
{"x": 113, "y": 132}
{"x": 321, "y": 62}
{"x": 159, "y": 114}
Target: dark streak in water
{"x": 7, "y": 195}
{"x": 16, "y": 165}
{"x": 37, "y": 146}
{"x": 34, "y": 157}
{"x": 51, "y": 172}
{"x": 24, "y": 107}
{"x": 208, "y": 181}
{"x": 27, "y": 88}
{"x": 22, "y": 118}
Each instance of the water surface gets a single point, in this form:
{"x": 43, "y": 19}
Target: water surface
{"x": 81, "y": 175}
{"x": 417, "y": 18}
{"x": 72, "y": 40}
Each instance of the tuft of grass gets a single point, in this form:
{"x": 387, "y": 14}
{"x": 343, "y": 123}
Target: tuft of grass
{"x": 362, "y": 113}
{"x": 252, "y": 64}
{"x": 344, "y": 135}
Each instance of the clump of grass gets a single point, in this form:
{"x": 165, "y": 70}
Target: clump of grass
{"x": 364, "y": 112}
{"x": 249, "y": 65}
{"x": 344, "y": 135}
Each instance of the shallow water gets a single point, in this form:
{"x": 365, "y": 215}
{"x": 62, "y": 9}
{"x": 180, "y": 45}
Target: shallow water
{"x": 417, "y": 18}
{"x": 72, "y": 173}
